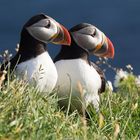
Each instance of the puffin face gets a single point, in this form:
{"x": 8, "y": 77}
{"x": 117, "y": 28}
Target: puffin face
{"x": 92, "y": 40}
{"x": 45, "y": 29}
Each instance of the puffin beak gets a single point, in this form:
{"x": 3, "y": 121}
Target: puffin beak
{"x": 62, "y": 37}
{"x": 105, "y": 49}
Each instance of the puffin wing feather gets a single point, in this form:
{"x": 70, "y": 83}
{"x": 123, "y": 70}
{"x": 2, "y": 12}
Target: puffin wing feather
{"x": 102, "y": 75}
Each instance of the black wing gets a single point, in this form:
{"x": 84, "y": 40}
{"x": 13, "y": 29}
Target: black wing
{"x": 101, "y": 73}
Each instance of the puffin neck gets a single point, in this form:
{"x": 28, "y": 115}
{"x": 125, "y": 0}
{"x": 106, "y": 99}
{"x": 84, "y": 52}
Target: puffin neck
{"x": 72, "y": 52}
{"x": 30, "y": 47}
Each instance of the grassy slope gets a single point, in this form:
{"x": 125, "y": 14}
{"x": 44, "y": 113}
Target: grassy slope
{"x": 24, "y": 114}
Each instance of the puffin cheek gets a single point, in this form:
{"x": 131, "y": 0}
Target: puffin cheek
{"x": 85, "y": 41}
{"x": 39, "y": 33}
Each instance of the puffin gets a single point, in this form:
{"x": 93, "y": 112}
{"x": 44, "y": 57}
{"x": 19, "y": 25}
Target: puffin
{"x": 32, "y": 63}
{"x": 80, "y": 81}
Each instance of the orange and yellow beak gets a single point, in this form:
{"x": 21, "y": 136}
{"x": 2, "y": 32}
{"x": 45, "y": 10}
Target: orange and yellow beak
{"x": 105, "y": 49}
{"x": 62, "y": 37}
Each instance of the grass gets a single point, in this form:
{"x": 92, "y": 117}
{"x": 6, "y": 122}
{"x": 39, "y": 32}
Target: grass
{"x": 26, "y": 114}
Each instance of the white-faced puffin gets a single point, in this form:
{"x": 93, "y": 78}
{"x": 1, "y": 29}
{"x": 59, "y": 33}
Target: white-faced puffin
{"x": 32, "y": 62}
{"x": 74, "y": 67}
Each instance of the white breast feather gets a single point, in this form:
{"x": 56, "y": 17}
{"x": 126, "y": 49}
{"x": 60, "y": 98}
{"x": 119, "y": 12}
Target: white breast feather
{"x": 70, "y": 72}
{"x": 40, "y": 70}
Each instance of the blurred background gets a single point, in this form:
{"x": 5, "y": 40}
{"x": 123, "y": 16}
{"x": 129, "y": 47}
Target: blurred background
{"x": 119, "y": 20}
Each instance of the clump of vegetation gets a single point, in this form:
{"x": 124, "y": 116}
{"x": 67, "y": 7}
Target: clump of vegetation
{"x": 25, "y": 113}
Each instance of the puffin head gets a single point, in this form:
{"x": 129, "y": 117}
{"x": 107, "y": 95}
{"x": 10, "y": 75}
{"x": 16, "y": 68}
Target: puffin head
{"x": 91, "y": 39}
{"x": 45, "y": 29}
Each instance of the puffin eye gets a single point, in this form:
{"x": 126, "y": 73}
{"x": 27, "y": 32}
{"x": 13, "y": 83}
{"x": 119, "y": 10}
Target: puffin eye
{"x": 94, "y": 33}
{"x": 48, "y": 24}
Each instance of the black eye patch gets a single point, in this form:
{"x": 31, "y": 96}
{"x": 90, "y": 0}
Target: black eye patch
{"x": 48, "y": 25}
{"x": 93, "y": 33}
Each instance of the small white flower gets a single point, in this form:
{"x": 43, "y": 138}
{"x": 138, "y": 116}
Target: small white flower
{"x": 17, "y": 47}
{"x": 6, "y": 55}
{"x": 138, "y": 81}
{"x": 129, "y": 67}
{"x": 109, "y": 85}
{"x": 120, "y": 75}
{"x": 6, "y": 52}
